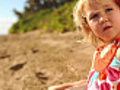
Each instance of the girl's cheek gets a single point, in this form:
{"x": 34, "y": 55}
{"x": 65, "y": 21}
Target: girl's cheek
{"x": 95, "y": 25}
{"x": 95, "y": 28}
{"x": 90, "y": 24}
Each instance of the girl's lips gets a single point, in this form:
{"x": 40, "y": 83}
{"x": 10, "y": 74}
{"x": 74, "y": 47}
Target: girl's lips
{"x": 107, "y": 27}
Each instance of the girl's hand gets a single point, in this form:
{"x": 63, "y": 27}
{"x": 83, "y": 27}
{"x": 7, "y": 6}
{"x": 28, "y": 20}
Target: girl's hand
{"x": 59, "y": 87}
{"x": 68, "y": 86}
{"x": 55, "y": 88}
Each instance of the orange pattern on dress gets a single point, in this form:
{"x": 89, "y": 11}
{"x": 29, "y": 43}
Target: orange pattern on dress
{"x": 102, "y": 76}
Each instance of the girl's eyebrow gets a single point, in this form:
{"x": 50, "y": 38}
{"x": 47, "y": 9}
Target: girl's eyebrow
{"x": 91, "y": 13}
{"x": 106, "y": 5}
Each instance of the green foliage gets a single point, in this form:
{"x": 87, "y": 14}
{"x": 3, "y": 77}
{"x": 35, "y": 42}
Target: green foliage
{"x": 29, "y": 23}
{"x": 59, "y": 20}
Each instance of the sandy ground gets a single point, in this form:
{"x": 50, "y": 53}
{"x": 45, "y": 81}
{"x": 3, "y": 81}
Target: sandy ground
{"x": 34, "y": 62}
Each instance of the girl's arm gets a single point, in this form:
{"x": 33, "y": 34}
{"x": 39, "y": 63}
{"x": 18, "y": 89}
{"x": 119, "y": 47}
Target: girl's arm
{"x": 68, "y": 85}
{"x": 82, "y": 83}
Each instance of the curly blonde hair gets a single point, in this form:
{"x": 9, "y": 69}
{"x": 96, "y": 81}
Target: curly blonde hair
{"x": 81, "y": 22}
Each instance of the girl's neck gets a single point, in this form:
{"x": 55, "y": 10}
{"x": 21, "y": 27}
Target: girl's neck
{"x": 112, "y": 41}
{"x": 109, "y": 42}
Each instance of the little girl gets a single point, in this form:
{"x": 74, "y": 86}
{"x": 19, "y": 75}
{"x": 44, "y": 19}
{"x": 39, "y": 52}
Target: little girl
{"x": 100, "y": 21}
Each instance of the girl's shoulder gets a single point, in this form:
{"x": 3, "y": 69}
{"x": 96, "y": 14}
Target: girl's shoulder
{"x": 104, "y": 52}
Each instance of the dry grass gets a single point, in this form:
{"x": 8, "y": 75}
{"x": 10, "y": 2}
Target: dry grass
{"x": 34, "y": 62}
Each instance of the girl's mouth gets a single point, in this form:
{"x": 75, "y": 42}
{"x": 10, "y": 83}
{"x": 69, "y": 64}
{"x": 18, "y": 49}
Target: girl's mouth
{"x": 107, "y": 28}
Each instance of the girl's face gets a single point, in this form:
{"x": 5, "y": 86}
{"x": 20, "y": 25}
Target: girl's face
{"x": 103, "y": 19}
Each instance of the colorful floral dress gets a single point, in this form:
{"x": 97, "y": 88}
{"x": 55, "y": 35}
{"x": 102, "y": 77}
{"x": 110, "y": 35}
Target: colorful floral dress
{"x": 106, "y": 79}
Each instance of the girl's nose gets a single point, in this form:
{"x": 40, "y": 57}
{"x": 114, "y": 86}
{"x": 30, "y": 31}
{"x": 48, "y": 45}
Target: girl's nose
{"x": 103, "y": 19}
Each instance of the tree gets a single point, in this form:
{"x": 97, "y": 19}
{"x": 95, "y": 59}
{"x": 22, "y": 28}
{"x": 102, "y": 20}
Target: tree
{"x": 34, "y": 6}
{"x": 19, "y": 14}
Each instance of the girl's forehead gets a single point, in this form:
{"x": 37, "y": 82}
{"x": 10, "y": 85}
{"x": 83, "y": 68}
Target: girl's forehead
{"x": 94, "y": 6}
{"x": 97, "y": 4}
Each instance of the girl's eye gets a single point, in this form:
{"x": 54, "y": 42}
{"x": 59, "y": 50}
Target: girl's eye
{"x": 94, "y": 16}
{"x": 109, "y": 9}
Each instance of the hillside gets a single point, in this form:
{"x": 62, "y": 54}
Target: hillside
{"x": 34, "y": 62}
{"x": 58, "y": 20}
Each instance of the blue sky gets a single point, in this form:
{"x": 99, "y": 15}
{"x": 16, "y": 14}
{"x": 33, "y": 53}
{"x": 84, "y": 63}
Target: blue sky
{"x": 7, "y": 16}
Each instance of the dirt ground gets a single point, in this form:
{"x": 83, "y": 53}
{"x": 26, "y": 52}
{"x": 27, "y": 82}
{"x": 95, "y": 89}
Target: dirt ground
{"x": 34, "y": 62}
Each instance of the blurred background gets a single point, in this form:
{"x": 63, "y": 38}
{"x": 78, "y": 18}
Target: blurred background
{"x": 29, "y": 15}
{"x": 40, "y": 46}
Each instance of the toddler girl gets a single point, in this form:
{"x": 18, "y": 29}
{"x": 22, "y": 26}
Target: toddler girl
{"x": 100, "y": 21}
